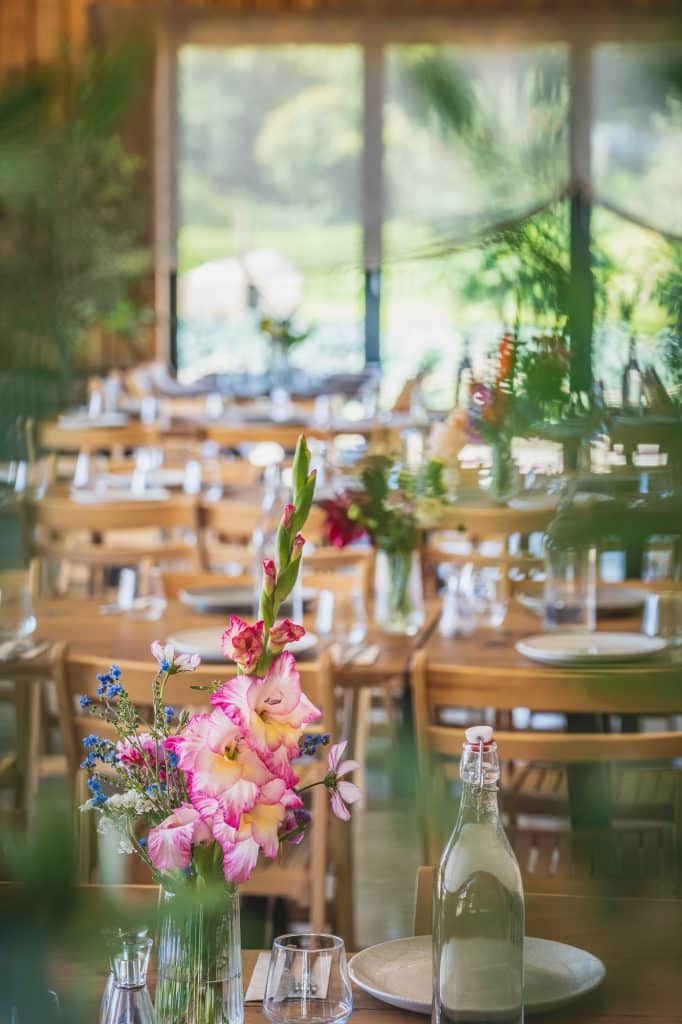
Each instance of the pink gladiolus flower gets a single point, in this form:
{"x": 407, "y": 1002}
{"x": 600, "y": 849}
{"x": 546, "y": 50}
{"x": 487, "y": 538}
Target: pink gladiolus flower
{"x": 271, "y": 711}
{"x": 258, "y": 830}
{"x": 287, "y": 515}
{"x": 269, "y": 575}
{"x": 225, "y": 776}
{"x": 243, "y": 643}
{"x": 143, "y": 753}
{"x": 170, "y": 843}
{"x": 341, "y": 792}
{"x": 299, "y": 543}
{"x": 171, "y": 662}
{"x": 284, "y": 632}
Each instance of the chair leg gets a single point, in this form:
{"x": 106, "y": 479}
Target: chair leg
{"x": 342, "y": 845}
{"x": 362, "y": 707}
{"x": 86, "y": 837}
{"x": 34, "y": 748}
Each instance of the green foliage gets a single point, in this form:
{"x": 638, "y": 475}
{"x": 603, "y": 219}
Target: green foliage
{"x": 72, "y": 212}
{"x": 669, "y": 294}
{"x": 282, "y": 331}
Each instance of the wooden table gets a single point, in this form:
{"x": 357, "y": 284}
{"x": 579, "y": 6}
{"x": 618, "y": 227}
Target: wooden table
{"x": 638, "y": 940}
{"x": 488, "y": 649}
{"x": 79, "y": 624}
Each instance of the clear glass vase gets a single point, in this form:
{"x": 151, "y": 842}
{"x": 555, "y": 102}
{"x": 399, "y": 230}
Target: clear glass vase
{"x": 398, "y": 592}
{"x": 504, "y": 478}
{"x": 199, "y": 977}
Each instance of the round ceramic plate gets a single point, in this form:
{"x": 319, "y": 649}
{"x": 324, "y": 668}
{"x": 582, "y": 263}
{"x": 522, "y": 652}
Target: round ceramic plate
{"x": 534, "y": 502}
{"x": 222, "y": 598}
{"x": 80, "y": 421}
{"x": 218, "y": 599}
{"x": 400, "y": 973}
{"x": 571, "y": 648}
{"x": 92, "y": 497}
{"x": 206, "y": 643}
{"x": 610, "y": 600}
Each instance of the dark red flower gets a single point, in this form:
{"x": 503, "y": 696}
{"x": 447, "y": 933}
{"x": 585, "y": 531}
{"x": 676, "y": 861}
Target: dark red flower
{"x": 340, "y": 530}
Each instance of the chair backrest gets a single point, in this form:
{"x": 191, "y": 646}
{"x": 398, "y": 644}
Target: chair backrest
{"x": 175, "y": 582}
{"x": 59, "y": 515}
{"x": 114, "y": 440}
{"x": 76, "y": 674}
{"x": 438, "y": 688}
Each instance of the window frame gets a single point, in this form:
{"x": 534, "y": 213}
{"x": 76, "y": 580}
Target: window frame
{"x": 375, "y": 35}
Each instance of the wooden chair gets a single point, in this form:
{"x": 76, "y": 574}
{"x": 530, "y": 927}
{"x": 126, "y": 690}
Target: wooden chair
{"x": 99, "y": 536}
{"x": 551, "y": 857}
{"x": 487, "y": 536}
{"x": 300, "y": 874}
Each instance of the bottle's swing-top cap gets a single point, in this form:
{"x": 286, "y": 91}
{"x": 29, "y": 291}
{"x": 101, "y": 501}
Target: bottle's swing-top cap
{"x": 479, "y": 734}
{"x": 479, "y": 765}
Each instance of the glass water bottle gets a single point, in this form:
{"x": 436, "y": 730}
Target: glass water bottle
{"x": 632, "y": 386}
{"x": 128, "y": 999}
{"x": 478, "y": 913}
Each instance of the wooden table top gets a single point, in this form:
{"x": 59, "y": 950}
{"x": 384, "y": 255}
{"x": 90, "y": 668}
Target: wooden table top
{"x": 80, "y": 625}
{"x": 638, "y": 940}
{"x": 489, "y": 648}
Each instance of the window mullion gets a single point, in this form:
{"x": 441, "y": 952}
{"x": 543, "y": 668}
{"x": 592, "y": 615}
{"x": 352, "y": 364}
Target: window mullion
{"x": 372, "y": 194}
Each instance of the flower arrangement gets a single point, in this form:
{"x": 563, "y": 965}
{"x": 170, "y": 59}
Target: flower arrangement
{"x": 391, "y": 506}
{"x": 543, "y": 365}
{"x": 282, "y": 333}
{"x": 492, "y": 415}
{"x": 211, "y": 792}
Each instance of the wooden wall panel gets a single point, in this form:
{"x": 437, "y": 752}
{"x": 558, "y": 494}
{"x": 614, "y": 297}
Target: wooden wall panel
{"x": 32, "y": 29}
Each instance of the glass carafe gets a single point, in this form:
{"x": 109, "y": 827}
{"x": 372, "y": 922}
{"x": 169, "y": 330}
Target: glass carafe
{"x": 478, "y": 914}
{"x": 128, "y": 1001}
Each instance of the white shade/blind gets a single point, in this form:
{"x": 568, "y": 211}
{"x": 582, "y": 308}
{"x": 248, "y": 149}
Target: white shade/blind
{"x": 637, "y": 133}
{"x": 270, "y": 203}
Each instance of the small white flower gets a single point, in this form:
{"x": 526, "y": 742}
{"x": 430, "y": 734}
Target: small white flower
{"x": 170, "y": 662}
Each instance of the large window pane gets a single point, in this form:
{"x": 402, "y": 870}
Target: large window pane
{"x": 636, "y": 160}
{"x": 637, "y": 132}
{"x": 271, "y": 149}
{"x": 473, "y": 139}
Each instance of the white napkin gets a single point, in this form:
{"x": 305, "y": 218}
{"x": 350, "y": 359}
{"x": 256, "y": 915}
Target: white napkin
{"x": 255, "y": 993}
{"x": 256, "y": 990}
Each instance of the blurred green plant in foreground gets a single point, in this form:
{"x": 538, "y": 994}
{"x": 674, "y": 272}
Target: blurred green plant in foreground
{"x": 72, "y": 223}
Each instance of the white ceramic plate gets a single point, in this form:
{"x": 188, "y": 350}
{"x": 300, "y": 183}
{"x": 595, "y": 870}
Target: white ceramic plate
{"x": 206, "y": 643}
{"x": 218, "y": 599}
{"x": 534, "y": 502}
{"x": 91, "y": 497}
{"x": 610, "y": 600}
{"x": 80, "y": 421}
{"x": 581, "y": 648}
{"x": 400, "y": 973}
{"x": 226, "y": 598}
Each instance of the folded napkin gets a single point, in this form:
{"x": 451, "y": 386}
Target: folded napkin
{"x": 255, "y": 993}
{"x": 256, "y": 990}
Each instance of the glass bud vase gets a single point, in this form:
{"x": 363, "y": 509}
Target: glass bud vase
{"x": 200, "y": 963}
{"x": 503, "y": 473}
{"x": 398, "y": 592}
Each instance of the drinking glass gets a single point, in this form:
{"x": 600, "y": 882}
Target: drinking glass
{"x": 571, "y": 589}
{"x": 341, "y": 616}
{"x": 661, "y": 557}
{"x": 457, "y": 613}
{"x": 308, "y": 981}
{"x": 663, "y": 616}
{"x": 488, "y": 596}
{"x": 141, "y": 594}
{"x": 17, "y": 620}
